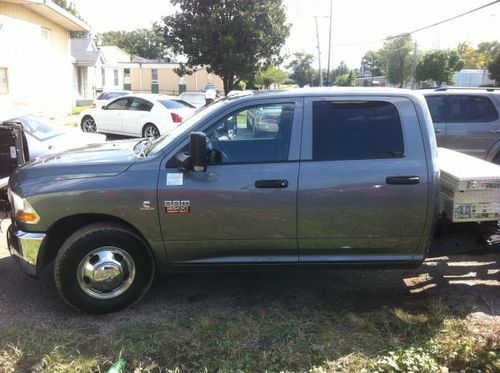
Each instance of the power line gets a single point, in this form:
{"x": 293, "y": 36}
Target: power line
{"x": 419, "y": 29}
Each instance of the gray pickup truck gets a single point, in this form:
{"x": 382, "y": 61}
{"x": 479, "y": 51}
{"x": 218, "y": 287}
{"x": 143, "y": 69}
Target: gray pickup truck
{"x": 343, "y": 178}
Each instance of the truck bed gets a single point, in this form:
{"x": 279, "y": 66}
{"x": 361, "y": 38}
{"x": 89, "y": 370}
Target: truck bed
{"x": 470, "y": 188}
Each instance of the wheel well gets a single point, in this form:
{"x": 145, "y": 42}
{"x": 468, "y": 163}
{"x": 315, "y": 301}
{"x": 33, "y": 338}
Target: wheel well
{"x": 143, "y": 127}
{"x": 496, "y": 159}
{"x": 85, "y": 117}
{"x": 62, "y": 229}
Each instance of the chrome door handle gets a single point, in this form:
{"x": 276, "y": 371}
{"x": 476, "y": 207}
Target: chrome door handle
{"x": 495, "y": 131}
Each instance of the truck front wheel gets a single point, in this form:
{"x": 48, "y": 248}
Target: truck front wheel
{"x": 103, "y": 268}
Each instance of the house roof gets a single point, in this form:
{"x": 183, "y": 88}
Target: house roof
{"x": 54, "y": 13}
{"x": 82, "y": 50}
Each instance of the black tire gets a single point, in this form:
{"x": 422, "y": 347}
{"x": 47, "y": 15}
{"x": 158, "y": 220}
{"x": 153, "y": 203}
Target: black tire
{"x": 88, "y": 124}
{"x": 79, "y": 246}
{"x": 150, "y": 130}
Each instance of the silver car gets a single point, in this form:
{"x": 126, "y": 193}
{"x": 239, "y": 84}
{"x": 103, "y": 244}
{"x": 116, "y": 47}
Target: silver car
{"x": 467, "y": 120}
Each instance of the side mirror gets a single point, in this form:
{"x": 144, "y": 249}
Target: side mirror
{"x": 196, "y": 159}
{"x": 198, "y": 151}
{"x": 103, "y": 107}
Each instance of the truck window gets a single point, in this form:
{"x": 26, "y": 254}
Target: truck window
{"x": 437, "y": 108}
{"x": 252, "y": 135}
{"x": 469, "y": 108}
{"x": 345, "y": 130}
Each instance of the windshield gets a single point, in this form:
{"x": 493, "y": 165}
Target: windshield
{"x": 39, "y": 130}
{"x": 187, "y": 126}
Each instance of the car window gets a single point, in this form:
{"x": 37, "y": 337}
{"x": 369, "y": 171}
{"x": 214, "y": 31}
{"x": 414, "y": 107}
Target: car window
{"x": 185, "y": 103}
{"x": 111, "y": 95}
{"x": 437, "y": 107}
{"x": 39, "y": 130}
{"x": 252, "y": 135}
{"x": 356, "y": 130}
{"x": 140, "y": 105}
{"x": 173, "y": 104}
{"x": 120, "y": 104}
{"x": 470, "y": 108}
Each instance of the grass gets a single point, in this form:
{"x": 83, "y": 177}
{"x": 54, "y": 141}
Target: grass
{"x": 419, "y": 337}
{"x": 78, "y": 109}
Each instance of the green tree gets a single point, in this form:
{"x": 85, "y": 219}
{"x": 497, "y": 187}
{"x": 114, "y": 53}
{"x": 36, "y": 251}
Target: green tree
{"x": 489, "y": 49}
{"x": 348, "y": 79}
{"x": 341, "y": 69}
{"x": 372, "y": 61}
{"x": 396, "y": 56}
{"x": 472, "y": 57}
{"x": 69, "y": 6}
{"x": 494, "y": 69}
{"x": 439, "y": 66}
{"x": 232, "y": 38}
{"x": 141, "y": 42}
{"x": 270, "y": 75}
{"x": 301, "y": 67}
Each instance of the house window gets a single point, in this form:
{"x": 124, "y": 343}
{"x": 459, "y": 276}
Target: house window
{"x": 45, "y": 34}
{"x": 126, "y": 79}
{"x": 116, "y": 76}
{"x": 154, "y": 76}
{"x": 4, "y": 82}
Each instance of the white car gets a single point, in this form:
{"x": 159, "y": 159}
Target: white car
{"x": 144, "y": 115}
{"x": 105, "y": 97}
{"x": 43, "y": 138}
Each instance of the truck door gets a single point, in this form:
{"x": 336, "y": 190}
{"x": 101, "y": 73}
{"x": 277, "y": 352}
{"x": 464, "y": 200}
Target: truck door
{"x": 363, "y": 180}
{"x": 242, "y": 210}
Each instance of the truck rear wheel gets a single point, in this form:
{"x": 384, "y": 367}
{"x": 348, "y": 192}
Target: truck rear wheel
{"x": 103, "y": 268}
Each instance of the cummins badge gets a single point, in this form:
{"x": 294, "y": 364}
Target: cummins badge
{"x": 177, "y": 207}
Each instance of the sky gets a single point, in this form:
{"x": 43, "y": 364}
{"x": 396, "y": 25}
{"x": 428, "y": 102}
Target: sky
{"x": 357, "y": 25}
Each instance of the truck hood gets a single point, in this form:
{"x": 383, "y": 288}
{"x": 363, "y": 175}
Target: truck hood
{"x": 95, "y": 160}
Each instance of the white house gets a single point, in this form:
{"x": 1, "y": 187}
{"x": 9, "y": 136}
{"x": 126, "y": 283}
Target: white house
{"x": 35, "y": 56}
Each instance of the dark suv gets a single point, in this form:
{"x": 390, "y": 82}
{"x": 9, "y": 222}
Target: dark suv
{"x": 467, "y": 120}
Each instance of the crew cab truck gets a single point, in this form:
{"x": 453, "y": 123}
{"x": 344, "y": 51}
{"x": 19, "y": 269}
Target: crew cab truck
{"x": 344, "y": 178}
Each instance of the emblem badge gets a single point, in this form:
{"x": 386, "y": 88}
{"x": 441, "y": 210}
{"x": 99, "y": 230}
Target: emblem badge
{"x": 177, "y": 207}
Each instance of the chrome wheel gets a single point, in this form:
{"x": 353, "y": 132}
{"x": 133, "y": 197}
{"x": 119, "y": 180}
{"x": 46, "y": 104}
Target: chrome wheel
{"x": 150, "y": 131}
{"x": 88, "y": 125}
{"x": 106, "y": 272}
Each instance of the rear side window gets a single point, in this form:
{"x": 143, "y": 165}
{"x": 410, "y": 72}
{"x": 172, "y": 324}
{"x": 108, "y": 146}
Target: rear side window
{"x": 141, "y": 105}
{"x": 173, "y": 104}
{"x": 110, "y": 95}
{"x": 469, "y": 108}
{"x": 437, "y": 107}
{"x": 345, "y": 130}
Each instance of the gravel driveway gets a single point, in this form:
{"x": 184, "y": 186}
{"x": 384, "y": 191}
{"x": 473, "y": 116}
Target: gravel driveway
{"x": 467, "y": 284}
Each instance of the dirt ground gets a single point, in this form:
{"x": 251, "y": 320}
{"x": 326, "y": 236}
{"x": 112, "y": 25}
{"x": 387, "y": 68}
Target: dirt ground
{"x": 467, "y": 284}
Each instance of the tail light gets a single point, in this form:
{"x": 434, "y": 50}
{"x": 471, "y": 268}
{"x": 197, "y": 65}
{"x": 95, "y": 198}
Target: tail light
{"x": 176, "y": 118}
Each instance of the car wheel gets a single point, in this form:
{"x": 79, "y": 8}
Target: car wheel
{"x": 150, "y": 130}
{"x": 103, "y": 268}
{"x": 88, "y": 124}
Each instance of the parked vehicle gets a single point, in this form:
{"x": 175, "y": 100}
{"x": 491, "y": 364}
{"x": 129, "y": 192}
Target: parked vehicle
{"x": 210, "y": 86}
{"x": 145, "y": 115}
{"x": 197, "y": 99}
{"x": 209, "y": 194}
{"x": 467, "y": 120}
{"x": 44, "y": 138}
{"x": 105, "y": 97}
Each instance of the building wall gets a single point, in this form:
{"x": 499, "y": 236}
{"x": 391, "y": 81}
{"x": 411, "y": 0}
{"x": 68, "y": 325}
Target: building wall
{"x": 168, "y": 80}
{"x": 39, "y": 71}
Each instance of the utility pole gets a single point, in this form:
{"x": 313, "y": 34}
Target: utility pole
{"x": 414, "y": 67}
{"x": 319, "y": 54}
{"x": 329, "y": 44}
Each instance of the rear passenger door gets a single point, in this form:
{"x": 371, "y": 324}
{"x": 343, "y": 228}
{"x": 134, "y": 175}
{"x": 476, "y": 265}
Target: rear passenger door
{"x": 473, "y": 124}
{"x": 362, "y": 182}
{"x": 136, "y": 116}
